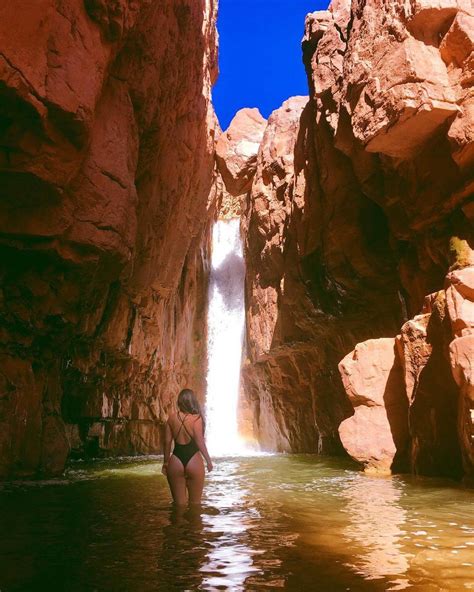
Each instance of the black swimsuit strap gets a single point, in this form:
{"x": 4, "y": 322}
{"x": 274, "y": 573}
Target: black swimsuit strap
{"x": 183, "y": 426}
{"x": 179, "y": 431}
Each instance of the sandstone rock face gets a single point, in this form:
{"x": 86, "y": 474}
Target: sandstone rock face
{"x": 236, "y": 150}
{"x": 437, "y": 384}
{"x": 106, "y": 163}
{"x": 290, "y": 376}
{"x": 460, "y": 300}
{"x": 236, "y": 159}
{"x": 377, "y": 433}
{"x": 460, "y": 295}
{"x": 361, "y": 206}
{"x": 432, "y": 392}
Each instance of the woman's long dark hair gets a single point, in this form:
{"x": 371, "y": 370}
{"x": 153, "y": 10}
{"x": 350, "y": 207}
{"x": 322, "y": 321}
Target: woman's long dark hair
{"x": 188, "y": 403}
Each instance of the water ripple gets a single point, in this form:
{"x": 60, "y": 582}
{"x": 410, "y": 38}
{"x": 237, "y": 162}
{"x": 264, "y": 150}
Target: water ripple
{"x": 283, "y": 522}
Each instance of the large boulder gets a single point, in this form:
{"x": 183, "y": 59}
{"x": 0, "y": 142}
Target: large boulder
{"x": 377, "y": 434}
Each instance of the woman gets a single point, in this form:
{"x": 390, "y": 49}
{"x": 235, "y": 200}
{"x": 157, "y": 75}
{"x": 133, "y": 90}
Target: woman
{"x": 184, "y": 469}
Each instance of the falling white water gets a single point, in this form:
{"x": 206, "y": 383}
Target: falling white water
{"x": 226, "y": 318}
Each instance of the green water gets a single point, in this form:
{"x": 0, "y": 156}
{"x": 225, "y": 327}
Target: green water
{"x": 268, "y": 523}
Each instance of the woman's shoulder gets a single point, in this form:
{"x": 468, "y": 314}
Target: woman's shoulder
{"x": 197, "y": 419}
{"x": 172, "y": 417}
{"x": 187, "y": 418}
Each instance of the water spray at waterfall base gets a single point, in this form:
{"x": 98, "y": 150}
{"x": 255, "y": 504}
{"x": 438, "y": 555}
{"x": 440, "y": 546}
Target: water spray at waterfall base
{"x": 226, "y": 321}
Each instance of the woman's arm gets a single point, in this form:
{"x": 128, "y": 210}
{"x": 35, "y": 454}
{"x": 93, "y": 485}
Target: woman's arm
{"x": 199, "y": 439}
{"x": 167, "y": 451}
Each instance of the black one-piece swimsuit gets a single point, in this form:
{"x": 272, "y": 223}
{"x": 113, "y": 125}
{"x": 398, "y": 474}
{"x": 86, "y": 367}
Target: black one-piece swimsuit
{"x": 185, "y": 452}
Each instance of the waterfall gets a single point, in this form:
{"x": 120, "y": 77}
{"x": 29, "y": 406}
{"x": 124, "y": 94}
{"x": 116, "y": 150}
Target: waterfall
{"x": 225, "y": 325}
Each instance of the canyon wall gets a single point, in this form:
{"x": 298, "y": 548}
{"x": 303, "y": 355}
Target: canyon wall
{"x": 356, "y": 206}
{"x": 106, "y": 166}
{"x": 358, "y": 219}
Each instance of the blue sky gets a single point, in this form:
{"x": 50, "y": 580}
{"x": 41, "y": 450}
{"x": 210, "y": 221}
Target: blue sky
{"x": 260, "y": 54}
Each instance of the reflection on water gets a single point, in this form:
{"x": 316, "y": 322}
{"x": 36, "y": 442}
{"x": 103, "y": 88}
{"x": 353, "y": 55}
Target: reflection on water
{"x": 229, "y": 561}
{"x": 183, "y": 543}
{"x": 375, "y": 522}
{"x": 278, "y": 522}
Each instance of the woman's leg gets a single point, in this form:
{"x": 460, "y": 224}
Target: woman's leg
{"x": 177, "y": 480}
{"x": 195, "y": 478}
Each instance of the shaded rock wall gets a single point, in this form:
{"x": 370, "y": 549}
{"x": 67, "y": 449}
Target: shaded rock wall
{"x": 319, "y": 266}
{"x": 106, "y": 165}
{"x": 359, "y": 200}
{"x": 434, "y": 354}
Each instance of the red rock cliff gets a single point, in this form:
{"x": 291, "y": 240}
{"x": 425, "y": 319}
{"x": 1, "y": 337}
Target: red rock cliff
{"x": 361, "y": 206}
{"x": 106, "y": 163}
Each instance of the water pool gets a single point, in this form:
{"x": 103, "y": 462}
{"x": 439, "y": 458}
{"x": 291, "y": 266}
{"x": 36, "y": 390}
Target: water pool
{"x": 268, "y": 522}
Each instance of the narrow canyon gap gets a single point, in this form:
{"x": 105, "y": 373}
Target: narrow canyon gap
{"x": 356, "y": 215}
{"x": 310, "y": 275}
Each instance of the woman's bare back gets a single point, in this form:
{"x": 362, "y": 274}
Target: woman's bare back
{"x": 182, "y": 427}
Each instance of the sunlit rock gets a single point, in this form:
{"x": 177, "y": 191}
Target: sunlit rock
{"x": 428, "y": 20}
{"x": 371, "y": 212}
{"x": 377, "y": 433}
{"x": 237, "y": 148}
{"x": 460, "y": 300}
{"x": 285, "y": 379}
{"x": 462, "y": 360}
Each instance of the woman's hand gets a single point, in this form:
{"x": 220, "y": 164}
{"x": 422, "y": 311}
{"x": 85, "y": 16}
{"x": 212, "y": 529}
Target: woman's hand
{"x": 164, "y": 468}
{"x": 209, "y": 466}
